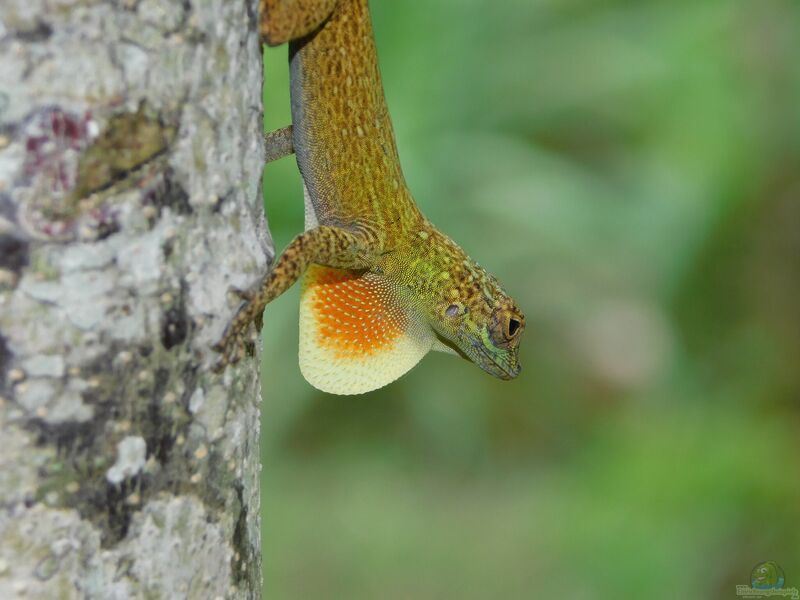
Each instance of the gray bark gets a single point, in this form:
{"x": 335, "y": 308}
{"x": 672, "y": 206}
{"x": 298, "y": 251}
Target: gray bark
{"x": 130, "y": 169}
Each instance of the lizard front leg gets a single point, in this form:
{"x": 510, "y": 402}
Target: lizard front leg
{"x": 323, "y": 245}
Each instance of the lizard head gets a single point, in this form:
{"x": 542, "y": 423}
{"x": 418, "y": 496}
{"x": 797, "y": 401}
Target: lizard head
{"x": 487, "y": 334}
{"x": 461, "y": 308}
{"x": 474, "y": 317}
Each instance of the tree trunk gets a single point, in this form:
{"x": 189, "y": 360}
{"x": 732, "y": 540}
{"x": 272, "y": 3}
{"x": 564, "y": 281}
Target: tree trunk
{"x": 130, "y": 169}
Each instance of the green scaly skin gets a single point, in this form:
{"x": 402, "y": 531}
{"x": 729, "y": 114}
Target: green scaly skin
{"x": 367, "y": 219}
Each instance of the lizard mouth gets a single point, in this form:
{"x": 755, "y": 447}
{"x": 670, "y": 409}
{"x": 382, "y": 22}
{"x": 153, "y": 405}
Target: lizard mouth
{"x": 504, "y": 366}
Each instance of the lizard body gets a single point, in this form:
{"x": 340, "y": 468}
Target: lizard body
{"x": 382, "y": 285}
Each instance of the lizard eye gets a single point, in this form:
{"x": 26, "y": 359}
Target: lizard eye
{"x": 507, "y": 327}
{"x": 452, "y": 310}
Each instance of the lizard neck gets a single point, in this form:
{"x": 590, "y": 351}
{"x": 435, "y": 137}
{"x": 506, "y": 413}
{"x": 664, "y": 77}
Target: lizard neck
{"x": 343, "y": 135}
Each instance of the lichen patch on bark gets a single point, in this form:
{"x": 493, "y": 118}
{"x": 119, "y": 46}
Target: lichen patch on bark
{"x": 130, "y": 169}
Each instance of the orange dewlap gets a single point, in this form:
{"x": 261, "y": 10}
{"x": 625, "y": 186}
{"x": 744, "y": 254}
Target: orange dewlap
{"x": 357, "y": 314}
{"x": 356, "y": 331}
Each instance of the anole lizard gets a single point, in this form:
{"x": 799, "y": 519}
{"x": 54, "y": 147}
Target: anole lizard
{"x": 382, "y": 286}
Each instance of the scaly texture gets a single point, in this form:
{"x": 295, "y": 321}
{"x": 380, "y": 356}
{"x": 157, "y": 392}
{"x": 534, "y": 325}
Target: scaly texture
{"x": 346, "y": 152}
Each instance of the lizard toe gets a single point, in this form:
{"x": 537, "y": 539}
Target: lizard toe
{"x": 246, "y": 295}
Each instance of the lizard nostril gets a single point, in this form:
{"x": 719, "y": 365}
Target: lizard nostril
{"x": 513, "y": 327}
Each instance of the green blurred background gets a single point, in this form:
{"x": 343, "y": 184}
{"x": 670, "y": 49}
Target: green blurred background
{"x": 631, "y": 172}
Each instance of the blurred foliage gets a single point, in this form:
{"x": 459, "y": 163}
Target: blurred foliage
{"x": 631, "y": 172}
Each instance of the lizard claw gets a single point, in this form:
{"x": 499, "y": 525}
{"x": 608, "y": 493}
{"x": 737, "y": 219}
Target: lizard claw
{"x": 237, "y": 339}
{"x": 232, "y": 347}
{"x": 246, "y": 295}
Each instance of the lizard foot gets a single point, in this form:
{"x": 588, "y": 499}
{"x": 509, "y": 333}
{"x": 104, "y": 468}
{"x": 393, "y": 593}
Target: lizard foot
{"x": 238, "y": 339}
{"x": 246, "y": 295}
